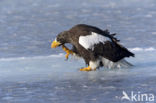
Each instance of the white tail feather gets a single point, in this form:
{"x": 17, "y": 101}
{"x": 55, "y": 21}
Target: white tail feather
{"x": 120, "y": 64}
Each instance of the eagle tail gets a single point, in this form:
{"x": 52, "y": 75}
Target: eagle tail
{"x": 112, "y": 65}
{"x": 123, "y": 64}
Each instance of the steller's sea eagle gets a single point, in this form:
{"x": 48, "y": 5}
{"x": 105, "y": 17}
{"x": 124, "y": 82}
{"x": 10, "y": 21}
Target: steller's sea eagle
{"x": 97, "y": 47}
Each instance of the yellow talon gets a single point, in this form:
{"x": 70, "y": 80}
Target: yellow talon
{"x": 67, "y": 51}
{"x": 67, "y": 55}
{"x": 87, "y": 69}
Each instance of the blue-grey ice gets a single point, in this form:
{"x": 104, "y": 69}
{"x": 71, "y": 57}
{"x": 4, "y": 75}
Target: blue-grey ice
{"x": 52, "y": 79}
{"x": 32, "y": 72}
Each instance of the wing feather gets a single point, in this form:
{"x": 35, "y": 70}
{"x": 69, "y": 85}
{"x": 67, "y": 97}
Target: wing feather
{"x": 89, "y": 41}
{"x": 102, "y": 43}
{"x": 112, "y": 51}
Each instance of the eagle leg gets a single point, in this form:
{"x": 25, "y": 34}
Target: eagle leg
{"x": 87, "y": 69}
{"x": 67, "y": 51}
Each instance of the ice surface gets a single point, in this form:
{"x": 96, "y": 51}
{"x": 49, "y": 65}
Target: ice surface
{"x": 51, "y": 79}
{"x": 32, "y": 72}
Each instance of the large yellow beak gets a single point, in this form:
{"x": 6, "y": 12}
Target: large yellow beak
{"x": 55, "y": 44}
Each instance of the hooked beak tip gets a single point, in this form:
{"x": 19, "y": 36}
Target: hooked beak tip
{"x": 55, "y": 44}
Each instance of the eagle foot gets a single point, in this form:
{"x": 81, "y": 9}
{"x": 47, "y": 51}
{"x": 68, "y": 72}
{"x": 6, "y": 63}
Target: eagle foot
{"x": 67, "y": 51}
{"x": 87, "y": 69}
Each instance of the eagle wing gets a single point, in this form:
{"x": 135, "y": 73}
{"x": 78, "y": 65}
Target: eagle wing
{"x": 104, "y": 45}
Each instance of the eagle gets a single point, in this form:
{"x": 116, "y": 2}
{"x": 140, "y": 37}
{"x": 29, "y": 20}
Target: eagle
{"x": 96, "y": 46}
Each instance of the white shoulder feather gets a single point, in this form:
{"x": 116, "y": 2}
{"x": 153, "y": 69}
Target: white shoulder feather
{"x": 89, "y": 41}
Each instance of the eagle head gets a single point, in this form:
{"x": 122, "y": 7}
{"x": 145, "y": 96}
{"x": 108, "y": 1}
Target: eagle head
{"x": 60, "y": 39}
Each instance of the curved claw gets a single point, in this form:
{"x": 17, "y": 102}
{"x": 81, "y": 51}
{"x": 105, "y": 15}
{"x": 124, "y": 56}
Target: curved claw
{"x": 87, "y": 69}
{"x": 67, "y": 55}
{"x": 67, "y": 51}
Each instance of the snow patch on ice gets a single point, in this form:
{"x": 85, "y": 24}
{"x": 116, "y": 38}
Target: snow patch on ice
{"x": 27, "y": 58}
{"x": 148, "y": 16}
{"x": 154, "y": 33}
{"x": 142, "y": 49}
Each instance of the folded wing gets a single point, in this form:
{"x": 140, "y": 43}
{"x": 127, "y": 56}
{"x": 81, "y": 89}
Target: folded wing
{"x": 105, "y": 46}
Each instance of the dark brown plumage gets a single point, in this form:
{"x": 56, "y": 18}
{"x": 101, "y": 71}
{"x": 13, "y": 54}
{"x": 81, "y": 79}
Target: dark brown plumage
{"x": 109, "y": 48}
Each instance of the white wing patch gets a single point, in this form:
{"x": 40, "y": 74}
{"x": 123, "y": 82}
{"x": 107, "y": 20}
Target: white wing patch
{"x": 89, "y": 41}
